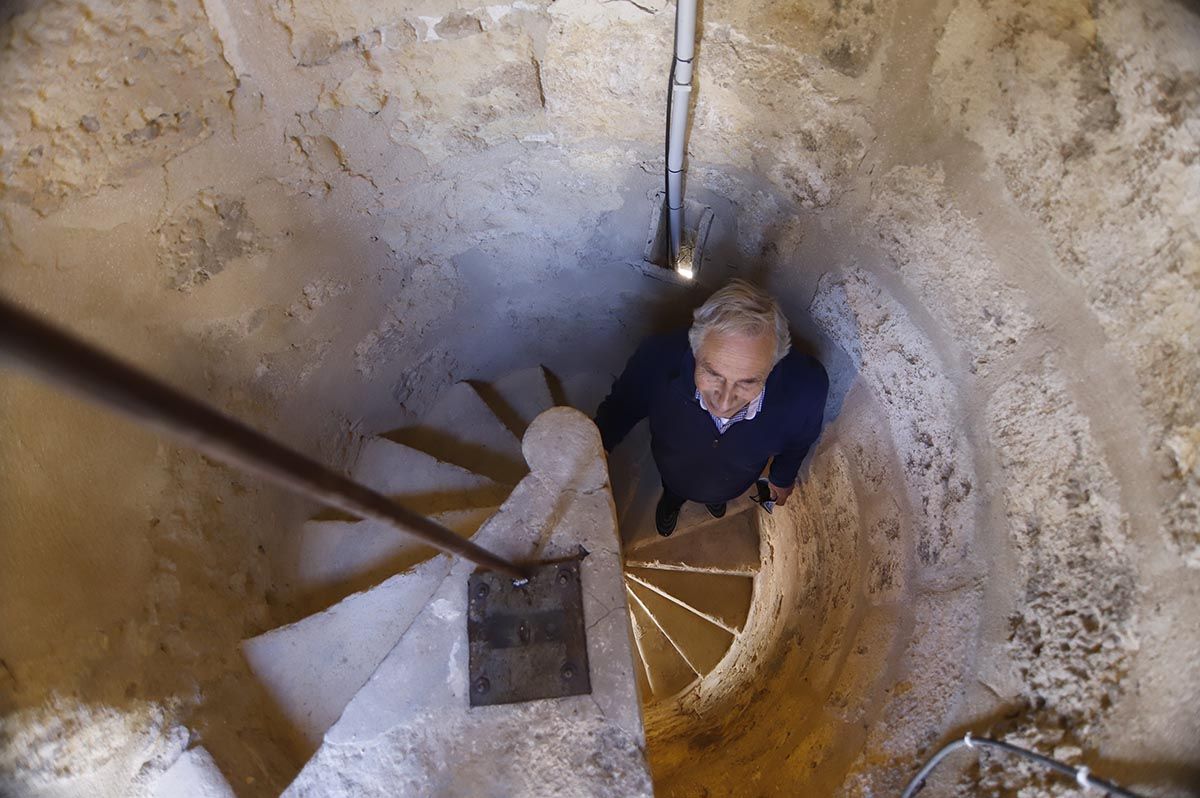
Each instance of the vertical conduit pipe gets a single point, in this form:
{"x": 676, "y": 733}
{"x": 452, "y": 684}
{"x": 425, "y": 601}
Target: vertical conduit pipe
{"x": 678, "y": 98}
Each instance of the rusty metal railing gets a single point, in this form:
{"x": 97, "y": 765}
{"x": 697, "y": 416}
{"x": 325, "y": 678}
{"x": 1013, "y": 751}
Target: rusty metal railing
{"x": 40, "y": 348}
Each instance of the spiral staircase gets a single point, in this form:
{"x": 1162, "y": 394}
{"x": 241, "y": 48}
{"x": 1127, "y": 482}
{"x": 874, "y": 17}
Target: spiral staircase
{"x": 688, "y": 595}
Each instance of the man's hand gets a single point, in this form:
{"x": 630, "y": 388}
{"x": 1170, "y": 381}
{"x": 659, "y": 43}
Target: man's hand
{"x": 780, "y": 495}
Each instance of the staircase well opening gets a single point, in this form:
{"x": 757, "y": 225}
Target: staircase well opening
{"x": 376, "y": 230}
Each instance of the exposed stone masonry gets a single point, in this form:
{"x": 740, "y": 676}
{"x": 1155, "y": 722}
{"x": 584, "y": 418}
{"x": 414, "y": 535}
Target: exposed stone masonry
{"x": 981, "y": 215}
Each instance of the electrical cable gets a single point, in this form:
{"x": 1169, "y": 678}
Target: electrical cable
{"x": 1081, "y": 775}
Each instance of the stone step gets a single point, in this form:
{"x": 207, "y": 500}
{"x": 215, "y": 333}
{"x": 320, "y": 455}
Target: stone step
{"x": 461, "y": 429}
{"x": 412, "y": 719}
{"x": 725, "y": 546}
{"x": 421, "y": 481}
{"x": 193, "y": 775}
{"x": 586, "y": 389}
{"x": 348, "y": 556}
{"x": 630, "y": 467}
{"x": 693, "y": 517}
{"x": 666, "y": 669}
{"x": 724, "y": 600}
{"x": 701, "y": 642}
{"x": 645, "y": 692}
{"x": 518, "y": 397}
{"x": 312, "y": 668}
{"x": 639, "y": 492}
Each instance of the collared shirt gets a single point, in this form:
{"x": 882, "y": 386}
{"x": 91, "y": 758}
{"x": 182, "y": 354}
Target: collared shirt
{"x": 747, "y": 413}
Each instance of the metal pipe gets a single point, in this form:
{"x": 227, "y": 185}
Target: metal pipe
{"x": 678, "y": 99}
{"x": 40, "y": 348}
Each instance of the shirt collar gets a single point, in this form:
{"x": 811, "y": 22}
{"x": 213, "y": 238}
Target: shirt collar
{"x": 751, "y": 409}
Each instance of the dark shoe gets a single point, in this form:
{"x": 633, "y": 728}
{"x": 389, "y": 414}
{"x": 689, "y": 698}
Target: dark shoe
{"x": 716, "y": 510}
{"x": 666, "y": 515}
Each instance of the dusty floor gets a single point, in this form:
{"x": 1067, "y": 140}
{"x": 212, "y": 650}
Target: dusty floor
{"x": 981, "y": 214}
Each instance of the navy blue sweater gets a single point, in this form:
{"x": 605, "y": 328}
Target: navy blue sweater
{"x": 695, "y": 461}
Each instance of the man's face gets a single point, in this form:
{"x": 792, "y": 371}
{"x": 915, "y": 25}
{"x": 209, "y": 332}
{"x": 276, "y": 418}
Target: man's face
{"x": 731, "y": 369}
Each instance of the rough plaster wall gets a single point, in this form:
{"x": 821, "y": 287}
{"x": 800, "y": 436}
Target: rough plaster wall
{"x": 261, "y": 233}
{"x": 316, "y": 215}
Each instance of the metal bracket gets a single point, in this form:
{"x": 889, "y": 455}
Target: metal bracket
{"x": 655, "y": 262}
{"x": 527, "y": 638}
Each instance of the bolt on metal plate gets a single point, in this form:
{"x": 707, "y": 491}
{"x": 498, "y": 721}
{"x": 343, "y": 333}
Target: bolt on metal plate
{"x": 527, "y": 641}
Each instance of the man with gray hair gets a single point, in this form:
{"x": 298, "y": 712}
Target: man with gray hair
{"x": 723, "y": 401}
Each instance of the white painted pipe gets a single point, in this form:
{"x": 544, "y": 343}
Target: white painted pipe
{"x": 681, "y": 90}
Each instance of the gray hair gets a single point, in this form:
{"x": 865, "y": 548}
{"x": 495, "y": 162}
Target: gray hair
{"x": 744, "y": 309}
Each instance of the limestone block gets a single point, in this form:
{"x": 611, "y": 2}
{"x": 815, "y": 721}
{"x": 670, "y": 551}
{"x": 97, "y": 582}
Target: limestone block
{"x": 666, "y": 670}
{"x": 562, "y": 446}
{"x": 194, "y": 775}
{"x": 699, "y": 641}
{"x": 312, "y": 668}
{"x": 723, "y": 599}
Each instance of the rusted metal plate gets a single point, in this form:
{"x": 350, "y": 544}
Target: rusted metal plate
{"x": 527, "y": 641}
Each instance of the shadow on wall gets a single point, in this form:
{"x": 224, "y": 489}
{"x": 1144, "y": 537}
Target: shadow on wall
{"x": 808, "y": 339}
{"x": 133, "y": 569}
{"x": 137, "y": 568}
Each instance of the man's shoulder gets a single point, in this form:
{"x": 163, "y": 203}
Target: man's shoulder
{"x": 664, "y": 347}
{"x": 801, "y": 376}
{"x": 658, "y": 358}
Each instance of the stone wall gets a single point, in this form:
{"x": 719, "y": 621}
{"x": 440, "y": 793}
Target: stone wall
{"x": 317, "y": 215}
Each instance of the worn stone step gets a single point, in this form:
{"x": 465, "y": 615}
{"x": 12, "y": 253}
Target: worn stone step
{"x": 349, "y": 556}
{"x": 461, "y": 429}
{"x": 412, "y": 716}
{"x": 312, "y": 668}
{"x": 693, "y": 517}
{"x": 518, "y": 397}
{"x": 725, "y": 546}
{"x": 701, "y": 642}
{"x": 421, "y": 481}
{"x": 637, "y": 492}
{"x": 666, "y": 669}
{"x": 645, "y": 692}
{"x": 586, "y": 389}
{"x": 724, "y": 600}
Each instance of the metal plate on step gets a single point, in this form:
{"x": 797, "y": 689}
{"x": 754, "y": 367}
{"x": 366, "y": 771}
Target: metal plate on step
{"x": 527, "y": 641}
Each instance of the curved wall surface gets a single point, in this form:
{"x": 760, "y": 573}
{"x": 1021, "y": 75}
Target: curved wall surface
{"x": 981, "y": 215}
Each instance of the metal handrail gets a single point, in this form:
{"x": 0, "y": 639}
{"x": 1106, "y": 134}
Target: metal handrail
{"x": 42, "y": 349}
